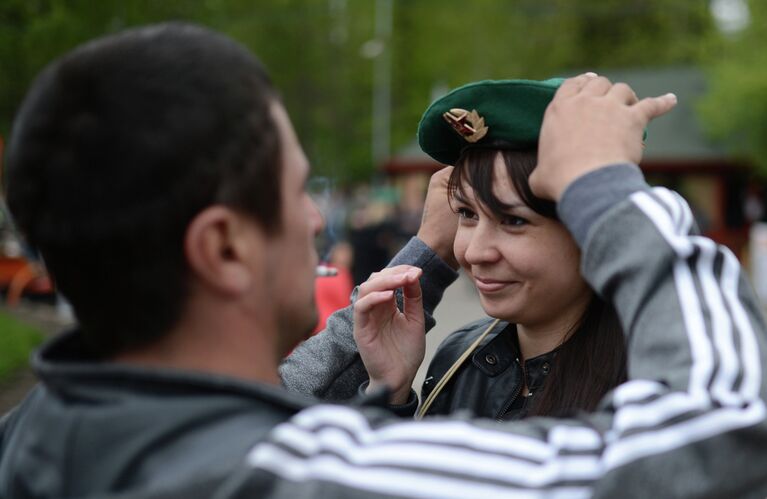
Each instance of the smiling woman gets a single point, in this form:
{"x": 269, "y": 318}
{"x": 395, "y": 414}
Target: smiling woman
{"x": 550, "y": 346}
{"x": 523, "y": 262}
{"x": 556, "y": 347}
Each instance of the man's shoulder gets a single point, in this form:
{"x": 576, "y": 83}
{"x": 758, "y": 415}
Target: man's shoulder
{"x": 10, "y": 420}
{"x": 160, "y": 427}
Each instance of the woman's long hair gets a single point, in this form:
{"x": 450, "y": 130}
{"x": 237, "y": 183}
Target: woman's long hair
{"x": 592, "y": 360}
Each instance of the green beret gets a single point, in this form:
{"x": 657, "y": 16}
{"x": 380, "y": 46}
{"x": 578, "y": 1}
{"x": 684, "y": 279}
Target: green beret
{"x": 488, "y": 113}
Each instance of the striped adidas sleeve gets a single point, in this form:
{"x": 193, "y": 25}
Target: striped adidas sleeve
{"x": 689, "y": 422}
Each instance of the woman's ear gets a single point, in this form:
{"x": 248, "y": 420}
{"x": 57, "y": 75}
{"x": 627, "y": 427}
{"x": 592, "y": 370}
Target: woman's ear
{"x": 220, "y": 247}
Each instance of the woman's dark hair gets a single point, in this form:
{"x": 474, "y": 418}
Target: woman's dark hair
{"x": 593, "y": 358}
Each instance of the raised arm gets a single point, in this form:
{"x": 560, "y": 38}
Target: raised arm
{"x": 328, "y": 365}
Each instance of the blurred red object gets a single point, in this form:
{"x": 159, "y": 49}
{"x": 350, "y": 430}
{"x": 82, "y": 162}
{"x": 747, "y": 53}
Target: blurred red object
{"x": 19, "y": 276}
{"x": 331, "y": 294}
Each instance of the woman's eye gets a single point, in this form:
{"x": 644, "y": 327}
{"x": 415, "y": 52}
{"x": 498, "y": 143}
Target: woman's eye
{"x": 513, "y": 221}
{"x": 466, "y": 213}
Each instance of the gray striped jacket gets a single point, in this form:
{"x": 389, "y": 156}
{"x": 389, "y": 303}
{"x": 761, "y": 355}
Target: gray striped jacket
{"x": 690, "y": 422}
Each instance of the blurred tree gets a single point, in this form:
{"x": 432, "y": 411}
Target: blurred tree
{"x": 321, "y": 53}
{"x": 32, "y": 32}
{"x": 735, "y": 108}
{"x": 631, "y": 33}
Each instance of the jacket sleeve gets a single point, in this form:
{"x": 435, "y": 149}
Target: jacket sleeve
{"x": 328, "y": 366}
{"x": 689, "y": 422}
{"x": 6, "y": 423}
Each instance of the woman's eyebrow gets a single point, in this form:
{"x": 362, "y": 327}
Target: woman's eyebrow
{"x": 459, "y": 197}
{"x": 516, "y": 206}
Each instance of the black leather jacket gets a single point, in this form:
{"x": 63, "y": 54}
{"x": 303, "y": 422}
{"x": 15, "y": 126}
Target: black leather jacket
{"x": 490, "y": 382}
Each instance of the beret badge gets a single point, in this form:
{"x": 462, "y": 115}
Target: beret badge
{"x": 469, "y": 124}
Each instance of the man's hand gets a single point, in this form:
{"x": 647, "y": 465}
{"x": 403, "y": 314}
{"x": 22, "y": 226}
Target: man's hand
{"x": 391, "y": 343}
{"x": 591, "y": 123}
{"x": 439, "y": 222}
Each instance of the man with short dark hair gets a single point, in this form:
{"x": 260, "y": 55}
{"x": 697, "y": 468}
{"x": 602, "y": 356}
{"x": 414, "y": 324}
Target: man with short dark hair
{"x": 160, "y": 178}
{"x": 138, "y": 157}
{"x": 175, "y": 220}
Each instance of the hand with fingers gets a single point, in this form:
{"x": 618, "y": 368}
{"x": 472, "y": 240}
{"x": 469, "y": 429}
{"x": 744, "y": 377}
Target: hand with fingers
{"x": 439, "y": 222}
{"x": 391, "y": 342}
{"x": 591, "y": 123}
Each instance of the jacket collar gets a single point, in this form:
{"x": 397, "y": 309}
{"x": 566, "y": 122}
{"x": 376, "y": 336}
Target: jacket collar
{"x": 502, "y": 350}
{"x": 65, "y": 367}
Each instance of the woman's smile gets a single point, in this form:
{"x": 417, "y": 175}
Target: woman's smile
{"x": 486, "y": 285}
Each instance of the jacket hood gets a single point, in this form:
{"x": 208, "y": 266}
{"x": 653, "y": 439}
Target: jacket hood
{"x": 93, "y": 426}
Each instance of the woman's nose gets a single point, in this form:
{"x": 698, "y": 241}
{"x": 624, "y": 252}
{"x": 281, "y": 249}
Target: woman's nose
{"x": 482, "y": 247}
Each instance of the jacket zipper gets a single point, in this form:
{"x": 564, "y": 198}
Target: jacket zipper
{"x": 507, "y": 405}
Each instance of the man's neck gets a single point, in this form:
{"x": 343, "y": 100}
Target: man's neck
{"x": 222, "y": 347}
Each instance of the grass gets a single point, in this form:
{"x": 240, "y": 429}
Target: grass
{"x": 17, "y": 340}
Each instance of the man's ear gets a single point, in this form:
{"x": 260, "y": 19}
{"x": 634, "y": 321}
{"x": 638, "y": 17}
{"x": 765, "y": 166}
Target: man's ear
{"x": 221, "y": 246}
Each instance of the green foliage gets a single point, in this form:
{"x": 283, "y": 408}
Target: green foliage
{"x": 314, "y": 51}
{"x": 17, "y": 340}
{"x": 631, "y": 33}
{"x": 735, "y": 108}
{"x": 32, "y": 33}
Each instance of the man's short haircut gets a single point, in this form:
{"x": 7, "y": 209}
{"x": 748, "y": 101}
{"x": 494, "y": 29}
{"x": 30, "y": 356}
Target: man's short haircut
{"x": 118, "y": 145}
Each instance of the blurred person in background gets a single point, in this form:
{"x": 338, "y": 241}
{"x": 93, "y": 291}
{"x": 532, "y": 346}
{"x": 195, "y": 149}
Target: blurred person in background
{"x": 332, "y": 292}
{"x": 373, "y": 234}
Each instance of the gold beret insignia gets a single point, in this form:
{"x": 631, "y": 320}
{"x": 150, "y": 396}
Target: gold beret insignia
{"x": 469, "y": 124}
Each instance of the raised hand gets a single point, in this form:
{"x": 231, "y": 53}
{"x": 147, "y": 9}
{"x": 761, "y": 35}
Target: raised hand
{"x": 591, "y": 123}
{"x": 439, "y": 222}
{"x": 391, "y": 343}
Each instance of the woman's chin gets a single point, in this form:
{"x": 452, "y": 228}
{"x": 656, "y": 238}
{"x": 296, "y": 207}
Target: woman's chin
{"x": 499, "y": 310}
